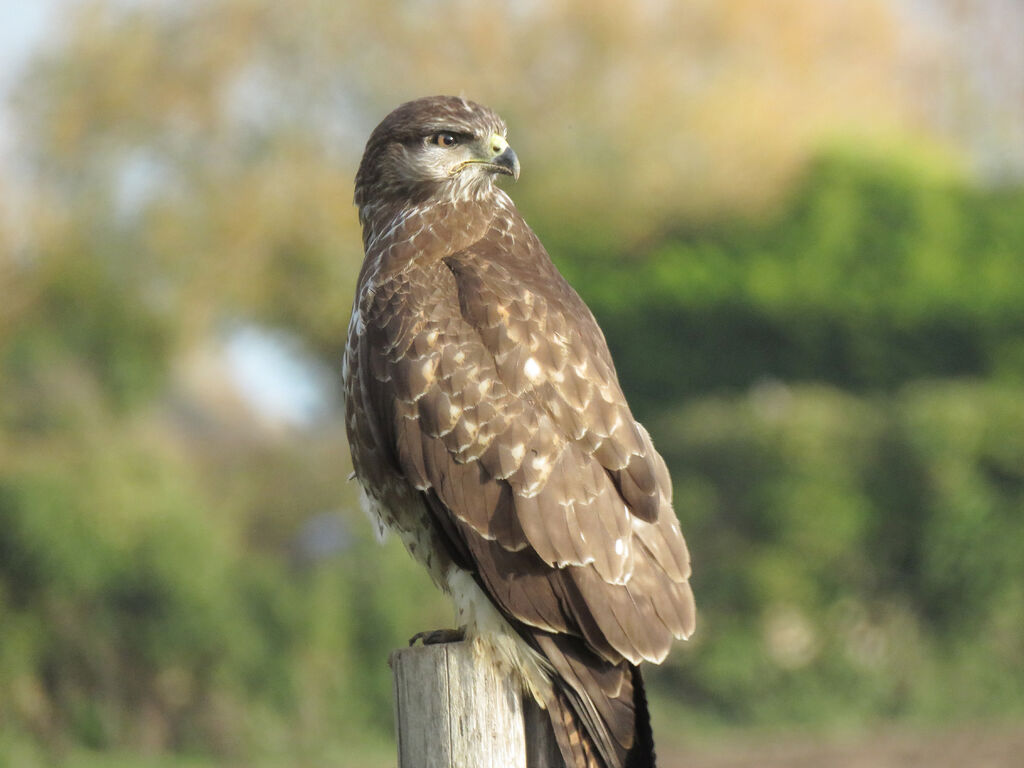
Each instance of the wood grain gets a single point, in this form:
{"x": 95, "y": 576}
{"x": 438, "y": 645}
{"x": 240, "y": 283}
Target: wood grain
{"x": 453, "y": 711}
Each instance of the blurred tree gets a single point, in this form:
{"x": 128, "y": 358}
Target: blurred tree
{"x": 854, "y": 555}
{"x": 881, "y": 269}
{"x": 148, "y": 111}
{"x": 183, "y": 167}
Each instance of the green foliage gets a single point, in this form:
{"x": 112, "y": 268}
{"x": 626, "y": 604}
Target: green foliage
{"x": 876, "y": 272}
{"x": 87, "y": 314}
{"x": 132, "y": 615}
{"x": 837, "y": 385}
{"x": 855, "y": 517}
{"x": 856, "y": 541}
{"x": 851, "y": 553}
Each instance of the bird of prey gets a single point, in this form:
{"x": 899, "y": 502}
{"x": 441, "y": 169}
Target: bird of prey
{"x": 488, "y": 430}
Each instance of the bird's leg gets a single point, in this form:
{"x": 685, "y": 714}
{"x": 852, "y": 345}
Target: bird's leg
{"x": 438, "y": 636}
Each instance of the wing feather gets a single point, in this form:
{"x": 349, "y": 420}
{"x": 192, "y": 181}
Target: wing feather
{"x": 508, "y": 418}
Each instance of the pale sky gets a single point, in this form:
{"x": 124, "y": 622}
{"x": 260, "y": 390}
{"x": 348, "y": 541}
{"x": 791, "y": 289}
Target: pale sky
{"x": 24, "y": 24}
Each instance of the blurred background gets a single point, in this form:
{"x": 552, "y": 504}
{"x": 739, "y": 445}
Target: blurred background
{"x": 800, "y": 223}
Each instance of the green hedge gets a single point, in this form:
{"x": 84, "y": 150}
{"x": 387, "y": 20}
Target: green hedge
{"x": 853, "y": 556}
{"x": 875, "y": 272}
{"x": 137, "y": 610}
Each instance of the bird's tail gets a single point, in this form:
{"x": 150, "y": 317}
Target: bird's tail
{"x": 598, "y": 710}
{"x": 641, "y": 755}
{"x": 576, "y": 746}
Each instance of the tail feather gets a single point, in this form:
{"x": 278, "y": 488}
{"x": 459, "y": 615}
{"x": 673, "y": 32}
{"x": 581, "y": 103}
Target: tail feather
{"x": 641, "y": 754}
{"x": 573, "y": 742}
{"x": 598, "y": 710}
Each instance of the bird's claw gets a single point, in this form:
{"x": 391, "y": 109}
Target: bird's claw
{"x": 437, "y": 636}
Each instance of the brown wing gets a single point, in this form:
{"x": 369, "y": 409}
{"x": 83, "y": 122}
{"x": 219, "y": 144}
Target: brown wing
{"x": 501, "y": 405}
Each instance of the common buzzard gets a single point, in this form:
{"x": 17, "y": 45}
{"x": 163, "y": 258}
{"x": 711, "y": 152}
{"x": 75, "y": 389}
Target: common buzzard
{"x": 488, "y": 430}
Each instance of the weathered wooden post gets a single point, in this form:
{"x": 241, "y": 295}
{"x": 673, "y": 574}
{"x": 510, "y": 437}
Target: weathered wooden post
{"x": 453, "y": 712}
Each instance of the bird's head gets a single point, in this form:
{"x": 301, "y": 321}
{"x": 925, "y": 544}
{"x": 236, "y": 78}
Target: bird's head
{"x": 436, "y": 147}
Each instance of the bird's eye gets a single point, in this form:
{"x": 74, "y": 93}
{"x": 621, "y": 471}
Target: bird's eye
{"x": 443, "y": 139}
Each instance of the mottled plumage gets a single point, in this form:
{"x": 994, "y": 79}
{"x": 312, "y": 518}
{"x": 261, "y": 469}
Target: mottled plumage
{"x": 488, "y": 429}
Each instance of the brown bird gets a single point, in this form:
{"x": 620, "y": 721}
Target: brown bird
{"x": 488, "y": 430}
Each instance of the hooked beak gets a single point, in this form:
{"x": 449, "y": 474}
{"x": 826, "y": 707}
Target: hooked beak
{"x": 507, "y": 163}
{"x": 504, "y": 159}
